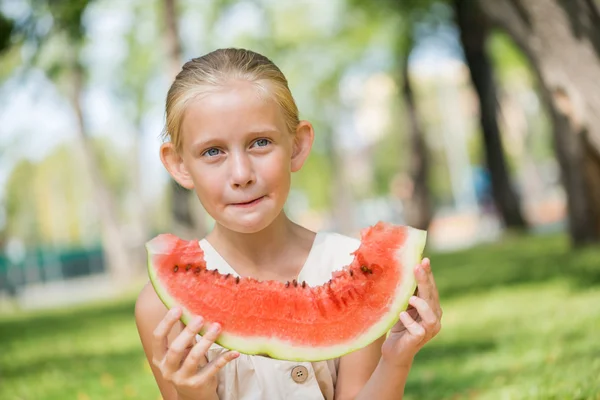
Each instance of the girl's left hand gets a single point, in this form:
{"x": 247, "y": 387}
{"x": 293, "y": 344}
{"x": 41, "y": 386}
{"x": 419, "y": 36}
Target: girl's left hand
{"x": 418, "y": 324}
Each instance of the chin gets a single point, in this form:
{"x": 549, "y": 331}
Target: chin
{"x": 250, "y": 223}
{"x": 246, "y": 226}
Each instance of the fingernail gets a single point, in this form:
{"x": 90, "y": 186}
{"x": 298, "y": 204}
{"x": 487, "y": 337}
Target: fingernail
{"x": 175, "y": 311}
{"x": 197, "y": 322}
{"x": 215, "y": 328}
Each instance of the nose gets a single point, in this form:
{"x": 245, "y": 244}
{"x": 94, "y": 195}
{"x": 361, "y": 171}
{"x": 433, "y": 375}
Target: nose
{"x": 242, "y": 171}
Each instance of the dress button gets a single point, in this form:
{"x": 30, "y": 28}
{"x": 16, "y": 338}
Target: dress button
{"x": 299, "y": 373}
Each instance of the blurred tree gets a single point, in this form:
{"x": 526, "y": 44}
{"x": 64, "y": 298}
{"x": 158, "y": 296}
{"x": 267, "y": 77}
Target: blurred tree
{"x": 186, "y": 223}
{"x": 141, "y": 66}
{"x": 418, "y": 206}
{"x": 51, "y": 202}
{"x": 57, "y": 51}
{"x": 474, "y": 31}
{"x": 68, "y": 20}
{"x": 20, "y": 202}
{"x": 473, "y": 35}
{"x": 561, "y": 38}
{"x": 6, "y": 32}
{"x": 418, "y": 201}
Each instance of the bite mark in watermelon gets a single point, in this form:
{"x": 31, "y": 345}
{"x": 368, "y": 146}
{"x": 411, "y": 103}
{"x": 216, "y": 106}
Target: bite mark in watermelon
{"x": 293, "y": 321}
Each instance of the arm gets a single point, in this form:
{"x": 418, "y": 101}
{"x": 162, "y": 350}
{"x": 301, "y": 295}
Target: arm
{"x": 177, "y": 360}
{"x": 363, "y": 374}
{"x": 149, "y": 311}
{"x": 419, "y": 324}
{"x": 355, "y": 370}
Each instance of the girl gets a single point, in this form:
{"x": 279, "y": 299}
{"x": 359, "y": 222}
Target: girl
{"x": 235, "y": 139}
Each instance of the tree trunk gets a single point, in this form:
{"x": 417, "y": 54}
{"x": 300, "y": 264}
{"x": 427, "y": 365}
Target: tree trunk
{"x": 117, "y": 256}
{"x": 186, "y": 223}
{"x": 473, "y": 34}
{"x": 562, "y": 41}
{"x": 418, "y": 210}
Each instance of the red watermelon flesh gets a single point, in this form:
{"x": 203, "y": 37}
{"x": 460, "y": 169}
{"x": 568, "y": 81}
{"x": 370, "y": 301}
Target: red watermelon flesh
{"x": 293, "y": 321}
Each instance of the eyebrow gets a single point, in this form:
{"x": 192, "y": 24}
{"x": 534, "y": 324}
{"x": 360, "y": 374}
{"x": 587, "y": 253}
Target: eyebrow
{"x": 262, "y": 132}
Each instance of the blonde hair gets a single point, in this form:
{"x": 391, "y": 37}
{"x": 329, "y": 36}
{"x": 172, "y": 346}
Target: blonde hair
{"x": 205, "y": 74}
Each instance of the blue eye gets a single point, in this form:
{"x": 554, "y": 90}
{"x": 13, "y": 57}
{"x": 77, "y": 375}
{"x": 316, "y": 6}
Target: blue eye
{"x": 262, "y": 142}
{"x": 212, "y": 152}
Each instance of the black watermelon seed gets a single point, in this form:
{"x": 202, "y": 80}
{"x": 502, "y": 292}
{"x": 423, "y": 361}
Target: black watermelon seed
{"x": 237, "y": 279}
{"x": 197, "y": 270}
{"x": 287, "y": 284}
{"x": 187, "y": 267}
{"x": 303, "y": 284}
{"x": 295, "y": 283}
{"x": 351, "y": 273}
{"x": 176, "y": 268}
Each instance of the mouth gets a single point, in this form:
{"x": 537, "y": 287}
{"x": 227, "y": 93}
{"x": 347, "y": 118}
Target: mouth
{"x": 249, "y": 203}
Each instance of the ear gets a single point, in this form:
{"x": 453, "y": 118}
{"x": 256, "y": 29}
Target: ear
{"x": 302, "y": 145}
{"x": 173, "y": 162}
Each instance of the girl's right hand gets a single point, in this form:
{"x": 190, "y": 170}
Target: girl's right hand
{"x": 192, "y": 375}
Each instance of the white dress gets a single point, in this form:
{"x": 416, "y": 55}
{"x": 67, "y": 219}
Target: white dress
{"x": 256, "y": 377}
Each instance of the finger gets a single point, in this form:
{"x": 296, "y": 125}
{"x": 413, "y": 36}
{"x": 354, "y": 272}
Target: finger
{"x": 414, "y": 314}
{"x": 424, "y": 288}
{"x": 209, "y": 337}
{"x": 213, "y": 367}
{"x": 426, "y": 264}
{"x": 180, "y": 345}
{"x": 195, "y": 359}
{"x": 428, "y": 316}
{"x": 416, "y": 331}
{"x": 159, "y": 342}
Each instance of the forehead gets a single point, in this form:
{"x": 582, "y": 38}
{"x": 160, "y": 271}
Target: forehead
{"x": 236, "y": 108}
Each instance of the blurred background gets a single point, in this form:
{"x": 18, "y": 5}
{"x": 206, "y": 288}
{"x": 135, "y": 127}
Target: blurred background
{"x": 478, "y": 120}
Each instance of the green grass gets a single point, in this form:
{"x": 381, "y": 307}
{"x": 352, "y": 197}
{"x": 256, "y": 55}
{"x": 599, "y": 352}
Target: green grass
{"x": 521, "y": 321}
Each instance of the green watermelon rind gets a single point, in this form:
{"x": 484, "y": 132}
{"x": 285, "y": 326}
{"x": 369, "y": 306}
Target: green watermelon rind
{"x": 409, "y": 256}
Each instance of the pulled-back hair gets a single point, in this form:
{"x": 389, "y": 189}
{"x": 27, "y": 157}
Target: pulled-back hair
{"x": 206, "y": 74}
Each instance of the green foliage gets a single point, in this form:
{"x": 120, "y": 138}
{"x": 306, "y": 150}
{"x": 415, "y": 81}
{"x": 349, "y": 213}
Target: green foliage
{"x": 50, "y": 201}
{"x": 390, "y": 157}
{"x": 20, "y": 201}
{"x": 68, "y": 17}
{"x": 314, "y": 180}
{"x": 509, "y": 62}
{"x": 143, "y": 61}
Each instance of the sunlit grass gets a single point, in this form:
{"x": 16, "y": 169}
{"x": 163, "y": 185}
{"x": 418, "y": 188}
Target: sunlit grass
{"x": 521, "y": 321}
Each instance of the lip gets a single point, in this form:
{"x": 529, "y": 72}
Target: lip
{"x": 250, "y": 203}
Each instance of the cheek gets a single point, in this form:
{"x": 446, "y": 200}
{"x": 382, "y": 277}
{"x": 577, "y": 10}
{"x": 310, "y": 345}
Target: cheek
{"x": 206, "y": 182}
{"x": 278, "y": 171}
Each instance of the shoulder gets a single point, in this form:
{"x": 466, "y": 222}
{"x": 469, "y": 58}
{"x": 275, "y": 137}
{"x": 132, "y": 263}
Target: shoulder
{"x": 148, "y": 302}
{"x": 149, "y": 311}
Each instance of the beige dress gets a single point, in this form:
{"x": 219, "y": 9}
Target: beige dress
{"x": 256, "y": 377}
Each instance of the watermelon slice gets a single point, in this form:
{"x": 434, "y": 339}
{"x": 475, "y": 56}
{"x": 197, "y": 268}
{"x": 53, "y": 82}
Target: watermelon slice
{"x": 293, "y": 321}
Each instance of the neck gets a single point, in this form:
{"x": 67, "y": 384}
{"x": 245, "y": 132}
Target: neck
{"x": 259, "y": 248}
